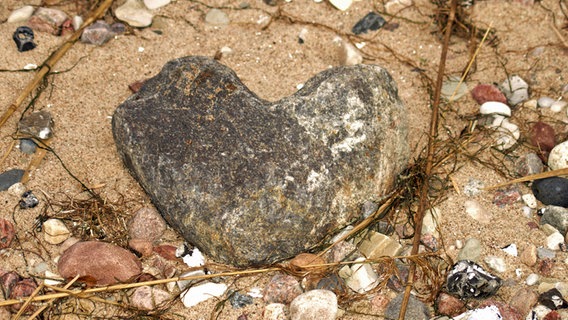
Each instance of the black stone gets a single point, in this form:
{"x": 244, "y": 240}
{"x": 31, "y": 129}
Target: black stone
{"x": 239, "y": 300}
{"x": 10, "y": 177}
{"x": 551, "y": 191}
{"x": 467, "y": 280}
{"x": 372, "y": 21}
{"x": 251, "y": 182}
{"x": 553, "y": 300}
{"x": 24, "y": 38}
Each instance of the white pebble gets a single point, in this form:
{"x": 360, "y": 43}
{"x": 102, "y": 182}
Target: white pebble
{"x": 202, "y": 292}
{"x": 20, "y": 15}
{"x": 17, "y": 189}
{"x": 476, "y": 211}
{"x": 511, "y": 249}
{"x": 77, "y": 22}
{"x": 348, "y": 54}
{"x": 155, "y": 4}
{"x": 30, "y": 66}
{"x": 527, "y": 212}
{"x": 134, "y": 13}
{"x": 557, "y": 106}
{"x": 532, "y": 279}
{"x": 545, "y": 102}
{"x": 554, "y": 241}
{"x": 515, "y": 89}
{"x": 495, "y": 107}
{"x": 496, "y": 263}
{"x": 558, "y": 158}
{"x": 530, "y": 200}
{"x": 509, "y": 133}
{"x": 55, "y": 231}
{"x": 360, "y": 277}
{"x": 314, "y": 304}
{"x": 341, "y": 4}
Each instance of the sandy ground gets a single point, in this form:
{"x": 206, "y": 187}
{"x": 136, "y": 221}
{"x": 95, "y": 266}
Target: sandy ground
{"x": 90, "y": 82}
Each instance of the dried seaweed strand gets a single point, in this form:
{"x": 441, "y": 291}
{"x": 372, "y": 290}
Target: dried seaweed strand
{"x": 423, "y": 205}
{"x": 548, "y": 174}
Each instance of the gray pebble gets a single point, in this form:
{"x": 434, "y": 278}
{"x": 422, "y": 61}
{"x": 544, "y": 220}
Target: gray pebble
{"x": 10, "y": 177}
{"x": 556, "y": 217}
{"x": 543, "y": 253}
{"x": 416, "y": 309}
{"x": 28, "y": 146}
{"x": 471, "y": 250}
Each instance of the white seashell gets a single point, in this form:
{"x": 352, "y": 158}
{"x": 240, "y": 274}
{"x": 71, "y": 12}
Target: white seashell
{"x": 202, "y": 292}
{"x": 20, "y": 15}
{"x": 558, "y": 158}
{"x": 495, "y": 107}
{"x": 341, "y": 4}
{"x": 545, "y": 102}
{"x": 558, "y": 105}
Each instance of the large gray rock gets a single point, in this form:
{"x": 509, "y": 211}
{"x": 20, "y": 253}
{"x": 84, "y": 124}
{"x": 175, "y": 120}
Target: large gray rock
{"x": 251, "y": 182}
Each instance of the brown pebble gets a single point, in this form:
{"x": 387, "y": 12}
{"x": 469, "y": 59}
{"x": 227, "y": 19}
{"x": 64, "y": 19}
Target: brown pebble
{"x": 282, "y": 288}
{"x": 487, "y": 92}
{"x": 552, "y": 315}
{"x": 24, "y": 288}
{"x": 142, "y": 246}
{"x": 102, "y": 262}
{"x": 529, "y": 255}
{"x": 166, "y": 251}
{"x": 7, "y": 233}
{"x": 449, "y": 305}
{"x": 545, "y": 267}
{"x": 136, "y": 85}
{"x": 303, "y": 260}
{"x": 146, "y": 224}
{"x": 543, "y": 137}
{"x": 523, "y": 300}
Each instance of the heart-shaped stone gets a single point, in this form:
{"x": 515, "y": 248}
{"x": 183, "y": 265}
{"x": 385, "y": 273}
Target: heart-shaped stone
{"x": 251, "y": 182}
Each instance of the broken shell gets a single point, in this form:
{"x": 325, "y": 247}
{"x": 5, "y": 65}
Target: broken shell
{"x": 508, "y": 134}
{"x": 545, "y": 102}
{"x": 494, "y": 107}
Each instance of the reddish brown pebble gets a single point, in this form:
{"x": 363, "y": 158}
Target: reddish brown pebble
{"x": 23, "y": 288}
{"x": 104, "y": 262}
{"x": 136, "y": 85}
{"x": 523, "y": 300}
{"x": 545, "y": 267}
{"x": 166, "y": 251}
{"x": 282, "y": 288}
{"x": 487, "y": 92}
{"x": 146, "y": 224}
{"x": 8, "y": 281}
{"x": 142, "y": 246}
{"x": 7, "y": 233}
{"x": 543, "y": 137}
{"x": 449, "y": 305}
{"x": 552, "y": 315}
{"x": 301, "y": 261}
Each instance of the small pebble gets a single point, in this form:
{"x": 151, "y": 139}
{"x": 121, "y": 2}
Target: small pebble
{"x": 17, "y": 189}
{"x": 511, "y": 250}
{"x": 21, "y": 14}
{"x": 545, "y": 102}
{"x": 147, "y": 223}
{"x": 23, "y": 288}
{"x": 507, "y": 196}
{"x": 558, "y": 105}
{"x": 551, "y": 191}
{"x": 28, "y": 200}
{"x": 558, "y": 157}
{"x": 55, "y": 231}
{"x": 554, "y": 241}
{"x": 467, "y": 279}
{"x": 471, "y": 250}
{"x": 217, "y": 17}
{"x": 155, "y": 4}
{"x": 38, "y": 124}
{"x": 7, "y": 233}
{"x": 148, "y": 298}
{"x": 394, "y": 6}
{"x": 530, "y": 200}
{"x": 9, "y": 178}
{"x": 556, "y": 217}
{"x": 347, "y": 53}
{"x": 77, "y": 22}
{"x": 28, "y": 146}
{"x": 528, "y": 164}
{"x": 543, "y": 137}
{"x": 543, "y": 253}
{"x": 473, "y": 187}
{"x": 282, "y": 288}
{"x": 523, "y": 300}
{"x": 477, "y": 212}
{"x": 341, "y": 4}
{"x": 453, "y": 88}
{"x": 515, "y": 89}
{"x": 314, "y": 304}
{"x": 239, "y": 300}
{"x": 532, "y": 279}
{"x": 202, "y": 292}
{"x": 276, "y": 311}
{"x": 97, "y": 33}
{"x": 553, "y": 300}
{"x": 496, "y": 263}
{"x": 483, "y": 93}
{"x": 360, "y": 277}
{"x": 371, "y": 22}
{"x": 47, "y": 20}
{"x": 135, "y": 13}
{"x": 415, "y": 310}
{"x": 507, "y": 135}
{"x": 494, "y": 107}
{"x": 449, "y": 305}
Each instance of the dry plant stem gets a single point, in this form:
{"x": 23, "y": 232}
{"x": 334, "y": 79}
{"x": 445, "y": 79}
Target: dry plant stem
{"x": 28, "y": 301}
{"x": 429, "y": 159}
{"x": 548, "y": 174}
{"x": 36, "y": 160}
{"x": 52, "y": 60}
{"x": 40, "y": 310}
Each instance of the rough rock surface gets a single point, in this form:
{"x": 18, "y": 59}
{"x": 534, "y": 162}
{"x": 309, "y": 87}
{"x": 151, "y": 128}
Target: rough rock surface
{"x": 249, "y": 181}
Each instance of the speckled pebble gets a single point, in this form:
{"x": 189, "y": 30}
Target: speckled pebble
{"x": 558, "y": 157}
{"x": 467, "y": 279}
{"x": 543, "y": 137}
{"x": 148, "y": 298}
{"x": 528, "y": 164}
{"x": 556, "y": 217}
{"x": 282, "y": 288}
{"x": 314, "y": 305}
{"x": 530, "y": 200}
{"x": 415, "y": 310}
{"x": 473, "y": 187}
{"x": 7, "y": 233}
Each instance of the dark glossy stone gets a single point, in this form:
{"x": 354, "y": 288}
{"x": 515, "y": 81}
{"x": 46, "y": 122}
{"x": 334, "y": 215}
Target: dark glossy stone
{"x": 551, "y": 191}
{"x": 467, "y": 280}
{"x": 251, "y": 182}
{"x": 10, "y": 177}
{"x": 556, "y": 217}
{"x": 372, "y": 21}
{"x": 553, "y": 300}
{"x": 28, "y": 200}
{"x": 24, "y": 38}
